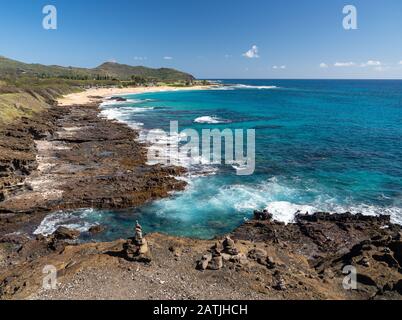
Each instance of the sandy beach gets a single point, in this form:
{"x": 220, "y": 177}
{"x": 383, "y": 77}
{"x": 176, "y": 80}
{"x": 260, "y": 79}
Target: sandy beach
{"x": 93, "y": 94}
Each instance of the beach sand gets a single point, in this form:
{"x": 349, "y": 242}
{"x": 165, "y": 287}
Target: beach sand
{"x": 92, "y": 95}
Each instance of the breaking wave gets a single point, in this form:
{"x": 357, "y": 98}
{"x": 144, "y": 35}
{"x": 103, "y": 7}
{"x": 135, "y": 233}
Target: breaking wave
{"x": 211, "y": 120}
{"x": 244, "y": 86}
{"x": 76, "y": 220}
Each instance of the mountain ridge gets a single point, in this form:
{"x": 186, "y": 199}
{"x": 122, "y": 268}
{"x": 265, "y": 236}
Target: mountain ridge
{"x": 107, "y": 70}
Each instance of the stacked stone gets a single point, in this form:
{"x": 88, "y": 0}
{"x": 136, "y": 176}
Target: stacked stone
{"x": 220, "y": 252}
{"x": 216, "y": 262}
{"x": 229, "y": 247}
{"x": 136, "y": 248}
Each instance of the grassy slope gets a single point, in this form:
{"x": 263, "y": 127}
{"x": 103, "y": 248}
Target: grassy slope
{"x": 28, "y": 98}
{"x": 113, "y": 70}
{"x": 16, "y": 105}
{"x": 13, "y": 67}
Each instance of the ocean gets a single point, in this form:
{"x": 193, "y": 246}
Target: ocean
{"x": 321, "y": 145}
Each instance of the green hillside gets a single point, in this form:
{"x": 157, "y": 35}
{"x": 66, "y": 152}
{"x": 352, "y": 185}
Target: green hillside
{"x": 9, "y": 67}
{"x": 126, "y": 72}
{"x": 26, "y": 89}
{"x": 108, "y": 70}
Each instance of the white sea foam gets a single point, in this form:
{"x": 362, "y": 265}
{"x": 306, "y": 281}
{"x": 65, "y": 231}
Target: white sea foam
{"x": 120, "y": 116}
{"x": 285, "y": 211}
{"x": 210, "y": 120}
{"x": 119, "y": 111}
{"x": 163, "y": 154}
{"x": 124, "y": 114}
{"x": 108, "y": 103}
{"x": 77, "y": 220}
{"x": 280, "y": 199}
{"x": 244, "y": 86}
{"x": 368, "y": 210}
{"x": 223, "y": 88}
{"x": 284, "y": 201}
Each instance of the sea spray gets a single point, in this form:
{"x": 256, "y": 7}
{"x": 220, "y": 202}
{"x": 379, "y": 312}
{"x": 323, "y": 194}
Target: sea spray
{"x": 315, "y": 150}
{"x": 204, "y": 150}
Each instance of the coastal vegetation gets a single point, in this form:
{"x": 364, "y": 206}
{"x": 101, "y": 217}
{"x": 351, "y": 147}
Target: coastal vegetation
{"x": 28, "y": 96}
{"x": 106, "y": 71}
{"x": 26, "y": 89}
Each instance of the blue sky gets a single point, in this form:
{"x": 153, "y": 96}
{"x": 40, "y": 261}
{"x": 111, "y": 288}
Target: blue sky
{"x": 209, "y": 38}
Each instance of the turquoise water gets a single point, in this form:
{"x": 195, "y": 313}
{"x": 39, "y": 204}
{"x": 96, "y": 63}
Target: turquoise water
{"x": 320, "y": 146}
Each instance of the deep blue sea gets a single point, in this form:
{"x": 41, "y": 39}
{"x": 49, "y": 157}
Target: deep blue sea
{"x": 321, "y": 145}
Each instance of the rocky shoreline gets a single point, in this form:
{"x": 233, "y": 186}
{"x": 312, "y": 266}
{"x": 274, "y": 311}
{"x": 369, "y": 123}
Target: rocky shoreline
{"x": 262, "y": 259}
{"x": 71, "y": 158}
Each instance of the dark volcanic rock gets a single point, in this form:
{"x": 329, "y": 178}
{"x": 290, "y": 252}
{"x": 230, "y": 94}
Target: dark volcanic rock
{"x": 96, "y": 229}
{"x": 258, "y": 255}
{"x": 93, "y": 162}
{"x": 203, "y": 263}
{"x": 63, "y": 233}
{"x": 263, "y": 215}
{"x": 119, "y": 99}
{"x": 332, "y": 241}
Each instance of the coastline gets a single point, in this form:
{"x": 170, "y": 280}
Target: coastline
{"x": 55, "y": 138}
{"x": 262, "y": 260}
{"x": 93, "y": 95}
{"x": 76, "y": 160}
{"x": 105, "y": 168}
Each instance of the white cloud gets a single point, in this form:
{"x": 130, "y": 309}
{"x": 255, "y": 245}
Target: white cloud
{"x": 227, "y": 56}
{"x": 344, "y": 64}
{"x": 167, "y": 58}
{"x": 112, "y": 60}
{"x": 252, "y": 53}
{"x": 382, "y": 68}
{"x": 323, "y": 65}
{"x": 372, "y": 63}
{"x": 140, "y": 58}
{"x": 400, "y": 62}
{"x": 279, "y": 67}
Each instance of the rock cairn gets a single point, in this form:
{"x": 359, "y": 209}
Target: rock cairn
{"x": 227, "y": 252}
{"x": 280, "y": 284}
{"x": 229, "y": 247}
{"x": 219, "y": 253}
{"x": 136, "y": 249}
{"x": 216, "y": 262}
{"x": 261, "y": 257}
